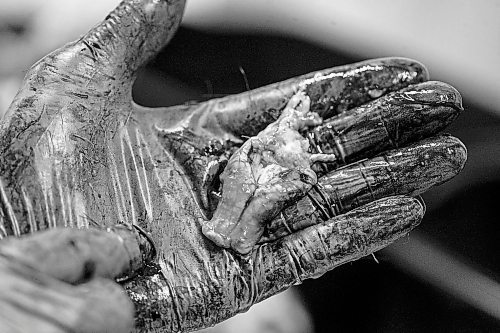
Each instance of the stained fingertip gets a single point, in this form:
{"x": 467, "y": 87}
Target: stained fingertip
{"x": 430, "y": 162}
{"x": 449, "y": 151}
{"x": 415, "y": 68}
{"x": 422, "y": 203}
{"x": 332, "y": 94}
{"x": 418, "y": 208}
{"x": 458, "y": 153}
{"x": 433, "y": 93}
{"x": 389, "y": 218}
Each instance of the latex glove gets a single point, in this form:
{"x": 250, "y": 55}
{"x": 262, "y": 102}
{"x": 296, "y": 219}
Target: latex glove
{"x": 77, "y": 152}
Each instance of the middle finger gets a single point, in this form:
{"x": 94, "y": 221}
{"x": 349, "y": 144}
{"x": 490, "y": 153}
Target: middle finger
{"x": 410, "y": 170}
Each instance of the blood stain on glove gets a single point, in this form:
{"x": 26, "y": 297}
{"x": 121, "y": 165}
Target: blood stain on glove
{"x": 267, "y": 173}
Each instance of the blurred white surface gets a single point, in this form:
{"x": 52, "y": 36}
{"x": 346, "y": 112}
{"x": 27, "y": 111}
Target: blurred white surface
{"x": 446, "y": 272}
{"x": 282, "y": 313}
{"x": 458, "y": 40}
{"x": 48, "y": 24}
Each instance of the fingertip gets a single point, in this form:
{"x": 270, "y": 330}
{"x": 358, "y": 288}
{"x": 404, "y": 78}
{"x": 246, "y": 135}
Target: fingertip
{"x": 416, "y": 207}
{"x": 413, "y": 211}
{"x": 456, "y": 153}
{"x": 435, "y": 93}
{"x": 402, "y": 214}
{"x": 107, "y": 308}
{"x": 460, "y": 154}
{"x": 451, "y": 95}
{"x": 416, "y": 69}
{"x": 422, "y": 203}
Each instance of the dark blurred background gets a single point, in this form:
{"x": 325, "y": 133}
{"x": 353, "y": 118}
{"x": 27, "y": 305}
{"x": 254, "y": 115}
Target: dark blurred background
{"x": 445, "y": 276}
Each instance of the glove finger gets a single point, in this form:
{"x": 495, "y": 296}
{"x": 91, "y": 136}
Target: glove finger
{"x": 132, "y": 34}
{"x": 394, "y": 120}
{"x": 318, "y": 249}
{"x": 103, "y": 62}
{"x": 74, "y": 255}
{"x": 410, "y": 170}
{"x": 31, "y": 301}
{"x": 332, "y": 91}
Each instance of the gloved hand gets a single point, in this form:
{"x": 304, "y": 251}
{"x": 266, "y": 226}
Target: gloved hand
{"x": 77, "y": 152}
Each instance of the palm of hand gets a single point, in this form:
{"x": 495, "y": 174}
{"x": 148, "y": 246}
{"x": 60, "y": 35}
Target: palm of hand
{"x": 80, "y": 153}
